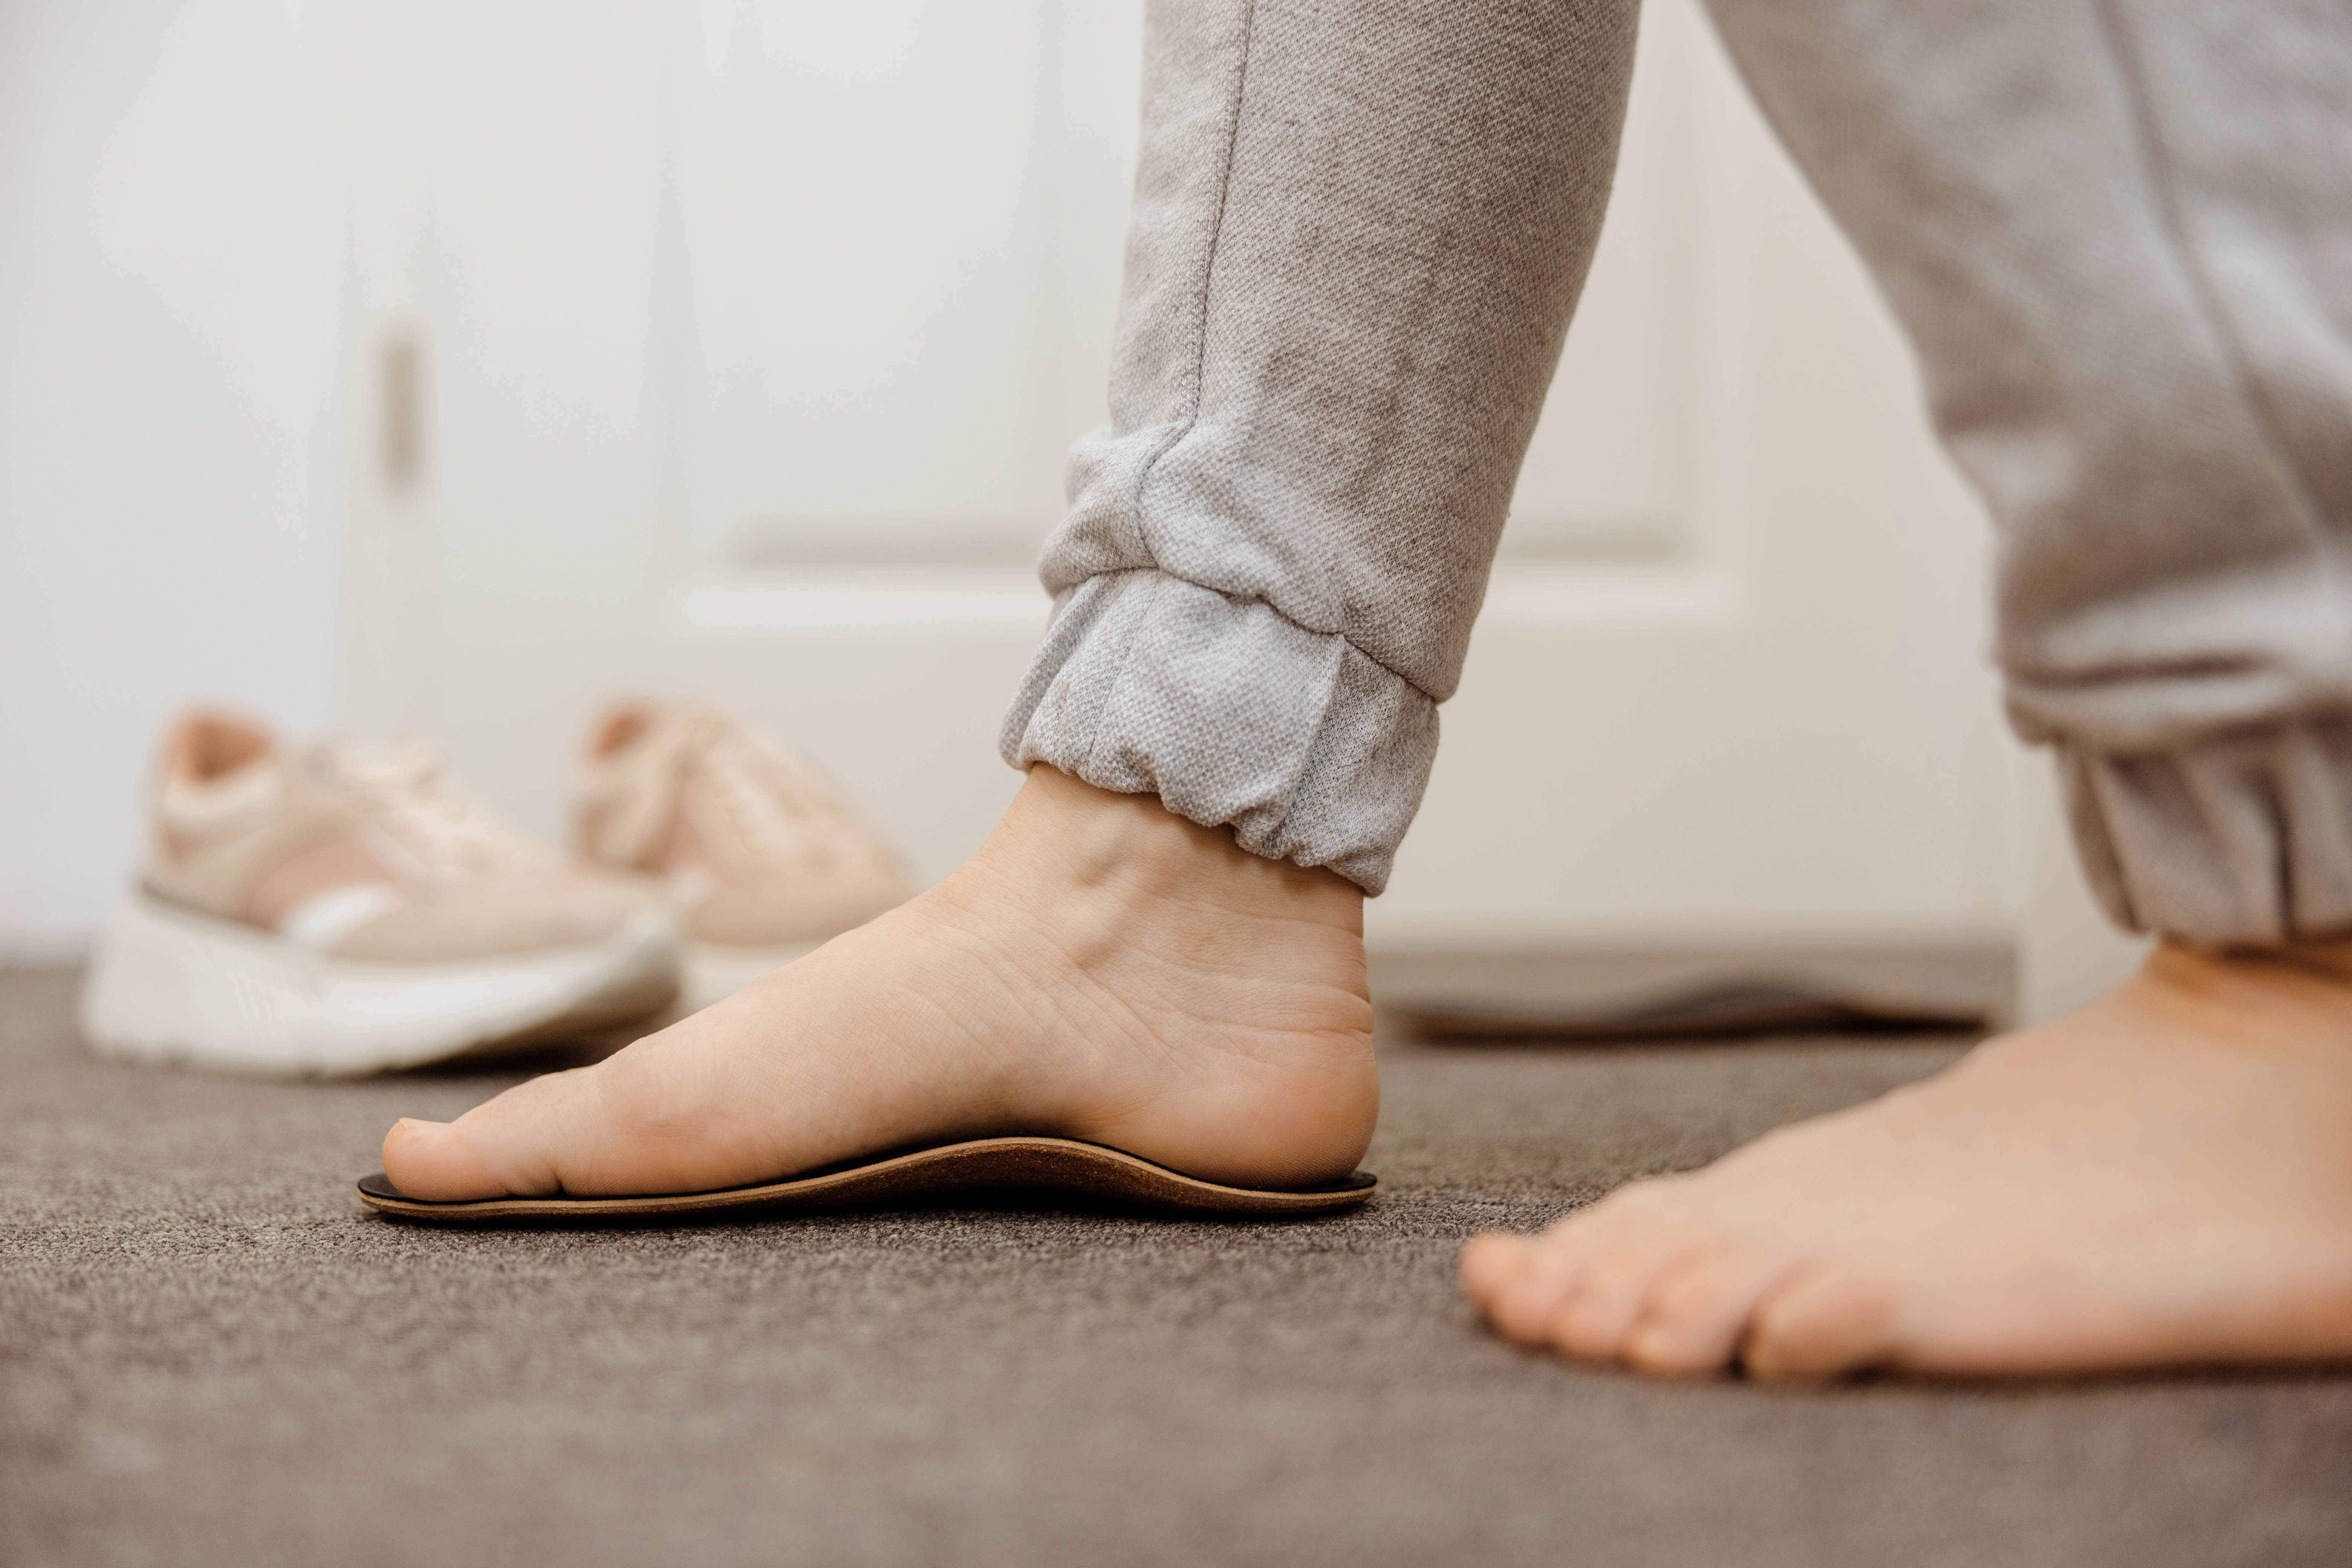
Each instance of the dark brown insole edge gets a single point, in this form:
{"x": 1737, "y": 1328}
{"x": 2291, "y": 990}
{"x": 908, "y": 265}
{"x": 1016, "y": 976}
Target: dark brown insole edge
{"x": 1054, "y": 1164}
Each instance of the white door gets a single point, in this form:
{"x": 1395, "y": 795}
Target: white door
{"x": 748, "y": 337}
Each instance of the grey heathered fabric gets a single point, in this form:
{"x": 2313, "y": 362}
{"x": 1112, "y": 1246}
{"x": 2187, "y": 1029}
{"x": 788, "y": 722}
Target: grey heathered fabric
{"x": 1359, "y": 232}
{"x": 2118, "y": 232}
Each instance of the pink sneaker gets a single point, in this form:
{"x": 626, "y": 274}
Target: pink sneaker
{"x": 346, "y": 909}
{"x": 764, "y": 854}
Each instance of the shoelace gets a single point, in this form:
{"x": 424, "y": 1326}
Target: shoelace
{"x": 406, "y": 790}
{"x": 782, "y": 812}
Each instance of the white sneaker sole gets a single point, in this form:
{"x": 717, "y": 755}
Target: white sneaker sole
{"x": 712, "y": 972}
{"x": 169, "y": 986}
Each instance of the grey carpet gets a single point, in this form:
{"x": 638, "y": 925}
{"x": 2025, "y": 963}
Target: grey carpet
{"x": 209, "y": 1353}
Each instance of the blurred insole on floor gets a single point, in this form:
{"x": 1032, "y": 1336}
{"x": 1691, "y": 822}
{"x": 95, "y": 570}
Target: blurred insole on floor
{"x": 1733, "y": 1010}
{"x": 1590, "y": 996}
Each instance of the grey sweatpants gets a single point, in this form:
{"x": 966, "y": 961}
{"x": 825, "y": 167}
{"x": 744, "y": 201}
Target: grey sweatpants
{"x": 2119, "y": 235}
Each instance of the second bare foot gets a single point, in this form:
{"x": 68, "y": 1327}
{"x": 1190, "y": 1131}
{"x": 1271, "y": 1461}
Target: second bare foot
{"x": 2163, "y": 1179}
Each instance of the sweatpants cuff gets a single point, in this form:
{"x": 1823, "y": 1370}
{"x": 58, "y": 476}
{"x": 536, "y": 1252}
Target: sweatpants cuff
{"x": 1233, "y": 716}
{"x": 2242, "y": 841}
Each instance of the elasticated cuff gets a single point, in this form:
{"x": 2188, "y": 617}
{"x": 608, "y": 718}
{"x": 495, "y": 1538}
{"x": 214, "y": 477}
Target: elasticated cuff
{"x": 1233, "y": 716}
{"x": 2243, "y": 840}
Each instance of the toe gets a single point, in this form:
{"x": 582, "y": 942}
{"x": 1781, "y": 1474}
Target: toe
{"x": 1698, "y": 1308}
{"x": 1523, "y": 1278}
{"x": 513, "y": 1144}
{"x": 433, "y": 1161}
{"x": 1521, "y": 1281}
{"x": 1590, "y": 1320}
{"x": 1822, "y": 1319}
{"x": 1491, "y": 1263}
{"x": 1619, "y": 1245}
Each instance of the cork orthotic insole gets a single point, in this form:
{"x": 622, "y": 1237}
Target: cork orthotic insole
{"x": 1052, "y": 1164}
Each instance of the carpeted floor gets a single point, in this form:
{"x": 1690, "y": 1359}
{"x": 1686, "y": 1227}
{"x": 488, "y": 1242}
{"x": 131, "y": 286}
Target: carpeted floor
{"x": 209, "y": 1353}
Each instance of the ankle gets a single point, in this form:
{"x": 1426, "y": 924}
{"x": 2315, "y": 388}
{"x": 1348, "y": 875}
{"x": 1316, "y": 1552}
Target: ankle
{"x": 1129, "y": 853}
{"x": 1219, "y": 997}
{"x": 2299, "y": 988}
{"x": 2328, "y": 959}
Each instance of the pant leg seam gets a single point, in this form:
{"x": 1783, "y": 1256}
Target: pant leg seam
{"x": 1208, "y": 274}
{"x": 1125, "y": 663}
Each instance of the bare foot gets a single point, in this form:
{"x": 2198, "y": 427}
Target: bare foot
{"x": 1101, "y": 969}
{"x": 2162, "y": 1179}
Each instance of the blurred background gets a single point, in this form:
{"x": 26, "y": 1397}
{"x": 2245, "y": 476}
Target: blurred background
{"x": 385, "y": 367}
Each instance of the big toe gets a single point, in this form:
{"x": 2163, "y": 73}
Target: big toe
{"x": 433, "y": 1161}
{"x": 523, "y": 1143}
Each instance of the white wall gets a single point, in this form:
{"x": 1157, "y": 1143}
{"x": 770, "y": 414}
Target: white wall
{"x": 168, "y": 258}
{"x": 1730, "y": 679}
